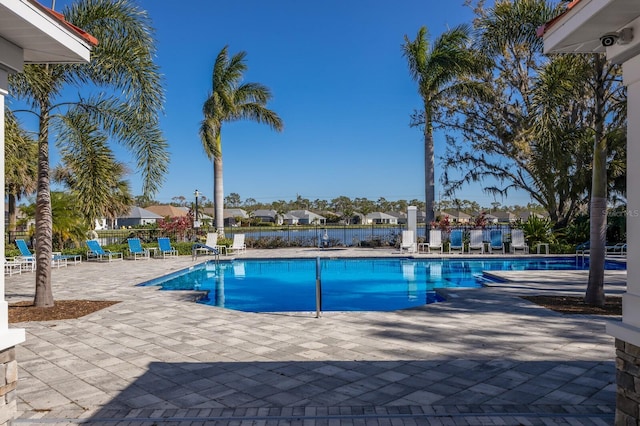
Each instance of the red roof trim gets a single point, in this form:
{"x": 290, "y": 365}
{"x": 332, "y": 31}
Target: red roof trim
{"x": 542, "y": 29}
{"x": 59, "y": 17}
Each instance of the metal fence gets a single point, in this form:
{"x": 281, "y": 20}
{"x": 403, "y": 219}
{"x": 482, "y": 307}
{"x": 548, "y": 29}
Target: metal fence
{"x": 280, "y": 236}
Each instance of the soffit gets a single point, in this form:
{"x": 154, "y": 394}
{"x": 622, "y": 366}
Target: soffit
{"x": 43, "y": 35}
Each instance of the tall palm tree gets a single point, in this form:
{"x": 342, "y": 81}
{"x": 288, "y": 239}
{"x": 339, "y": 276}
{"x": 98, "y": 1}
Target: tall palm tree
{"x": 439, "y": 69}
{"x": 231, "y": 100}
{"x": 126, "y": 107}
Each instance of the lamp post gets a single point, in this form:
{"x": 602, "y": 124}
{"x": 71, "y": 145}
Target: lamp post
{"x": 196, "y": 222}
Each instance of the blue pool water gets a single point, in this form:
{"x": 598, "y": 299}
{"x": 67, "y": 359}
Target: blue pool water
{"x": 286, "y": 285}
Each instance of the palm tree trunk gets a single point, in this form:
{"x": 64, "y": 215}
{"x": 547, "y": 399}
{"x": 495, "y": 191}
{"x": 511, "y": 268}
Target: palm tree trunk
{"x": 429, "y": 179}
{"x": 11, "y": 201}
{"x": 218, "y": 194}
{"x": 44, "y": 221}
{"x": 598, "y": 215}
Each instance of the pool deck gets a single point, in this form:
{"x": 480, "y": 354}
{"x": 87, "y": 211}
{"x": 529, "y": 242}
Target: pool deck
{"x": 483, "y": 357}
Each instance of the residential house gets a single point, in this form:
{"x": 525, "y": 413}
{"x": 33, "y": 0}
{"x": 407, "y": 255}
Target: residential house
{"x": 355, "y": 219}
{"x": 306, "y": 217}
{"x": 136, "y": 216}
{"x": 524, "y": 216}
{"x": 379, "y": 218}
{"x": 268, "y": 216}
{"x": 233, "y": 216}
{"x": 505, "y": 217}
{"x": 401, "y": 217}
{"x": 289, "y": 219}
{"x": 168, "y": 211}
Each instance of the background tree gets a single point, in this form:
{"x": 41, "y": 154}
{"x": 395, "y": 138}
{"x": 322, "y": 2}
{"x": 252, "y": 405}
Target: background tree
{"x": 126, "y": 106}
{"x": 231, "y": 100}
{"x": 90, "y": 170}
{"x": 499, "y": 143}
{"x": 69, "y": 225}
{"x": 438, "y": 69}
{"x": 20, "y": 157}
{"x": 233, "y": 200}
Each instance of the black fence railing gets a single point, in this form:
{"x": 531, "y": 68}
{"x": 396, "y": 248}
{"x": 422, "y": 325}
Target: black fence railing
{"x": 375, "y": 235}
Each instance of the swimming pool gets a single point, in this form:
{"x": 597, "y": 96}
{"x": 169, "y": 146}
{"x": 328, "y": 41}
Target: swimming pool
{"x": 376, "y": 284}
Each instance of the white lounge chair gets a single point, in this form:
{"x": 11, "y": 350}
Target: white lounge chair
{"x": 435, "y": 240}
{"x": 408, "y": 242}
{"x": 476, "y": 241}
{"x": 238, "y": 245}
{"x": 12, "y": 266}
{"x": 518, "y": 242}
{"x": 210, "y": 246}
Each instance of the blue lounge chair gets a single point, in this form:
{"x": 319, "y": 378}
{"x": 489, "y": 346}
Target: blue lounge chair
{"x": 25, "y": 253}
{"x": 26, "y": 258}
{"x": 164, "y": 245}
{"x": 455, "y": 241}
{"x": 29, "y": 260}
{"x": 136, "y": 250}
{"x": 497, "y": 244}
{"x": 96, "y": 252}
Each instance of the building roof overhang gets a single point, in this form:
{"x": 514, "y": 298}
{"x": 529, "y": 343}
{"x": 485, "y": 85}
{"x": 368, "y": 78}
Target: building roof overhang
{"x": 579, "y": 28}
{"x": 31, "y": 33}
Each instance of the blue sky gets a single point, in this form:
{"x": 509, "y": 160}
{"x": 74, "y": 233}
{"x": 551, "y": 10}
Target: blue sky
{"x": 339, "y": 83}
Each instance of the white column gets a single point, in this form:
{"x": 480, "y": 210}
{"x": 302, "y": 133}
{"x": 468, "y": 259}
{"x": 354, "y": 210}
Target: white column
{"x": 412, "y": 220}
{"x": 8, "y": 337}
{"x": 629, "y": 329}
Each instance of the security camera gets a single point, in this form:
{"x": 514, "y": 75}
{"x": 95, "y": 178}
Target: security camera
{"x": 609, "y": 39}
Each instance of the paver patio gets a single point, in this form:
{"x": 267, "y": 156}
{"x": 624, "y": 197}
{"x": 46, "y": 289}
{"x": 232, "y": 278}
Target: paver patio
{"x": 485, "y": 356}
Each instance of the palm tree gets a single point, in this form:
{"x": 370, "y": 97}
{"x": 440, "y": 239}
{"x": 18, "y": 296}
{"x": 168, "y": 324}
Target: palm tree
{"x": 439, "y": 70}
{"x": 90, "y": 170}
{"x": 126, "y": 108}
{"x": 231, "y": 100}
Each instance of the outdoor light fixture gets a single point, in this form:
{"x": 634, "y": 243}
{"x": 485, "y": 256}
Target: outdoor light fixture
{"x": 196, "y": 222}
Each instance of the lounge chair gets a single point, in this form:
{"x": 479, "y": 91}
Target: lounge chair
{"x": 408, "y": 242}
{"x": 210, "y": 246}
{"x": 25, "y": 253}
{"x": 28, "y": 259}
{"x": 518, "y": 242}
{"x": 238, "y": 245}
{"x": 619, "y": 249}
{"x": 495, "y": 236}
{"x": 164, "y": 245}
{"x": 455, "y": 241}
{"x": 96, "y": 252}
{"x": 435, "y": 240}
{"x": 12, "y": 266}
{"x": 476, "y": 240}
{"x": 68, "y": 258}
{"x": 136, "y": 250}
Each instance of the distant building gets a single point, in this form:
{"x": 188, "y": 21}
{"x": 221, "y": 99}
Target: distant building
{"x": 168, "y": 211}
{"x": 505, "y": 217}
{"x": 268, "y": 216}
{"x": 137, "y": 216}
{"x": 306, "y": 217}
{"x": 401, "y": 217}
{"x": 379, "y": 218}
